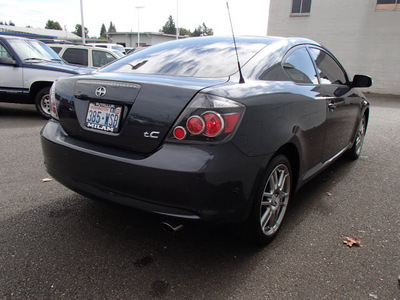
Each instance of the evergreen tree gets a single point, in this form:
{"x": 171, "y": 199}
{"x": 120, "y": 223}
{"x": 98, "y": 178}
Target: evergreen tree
{"x": 112, "y": 28}
{"x": 169, "y": 27}
{"x": 202, "y": 30}
{"x": 103, "y": 31}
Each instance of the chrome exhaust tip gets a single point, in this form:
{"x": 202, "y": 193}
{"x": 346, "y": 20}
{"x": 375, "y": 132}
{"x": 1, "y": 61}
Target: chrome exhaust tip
{"x": 170, "y": 228}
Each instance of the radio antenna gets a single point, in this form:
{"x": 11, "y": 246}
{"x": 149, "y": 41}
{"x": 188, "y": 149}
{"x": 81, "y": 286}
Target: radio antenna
{"x": 241, "y": 80}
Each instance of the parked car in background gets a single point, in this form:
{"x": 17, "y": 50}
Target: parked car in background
{"x": 85, "y": 55}
{"x": 177, "y": 129}
{"x": 117, "y": 47}
{"x": 27, "y": 70}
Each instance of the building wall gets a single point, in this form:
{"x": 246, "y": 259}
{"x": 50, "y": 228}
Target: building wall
{"x": 364, "y": 40}
{"x": 130, "y": 38}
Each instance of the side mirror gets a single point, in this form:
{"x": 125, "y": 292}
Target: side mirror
{"x": 7, "y": 61}
{"x": 361, "y": 81}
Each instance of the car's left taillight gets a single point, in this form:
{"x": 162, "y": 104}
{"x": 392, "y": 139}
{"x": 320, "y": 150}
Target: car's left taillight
{"x": 208, "y": 118}
{"x": 53, "y": 102}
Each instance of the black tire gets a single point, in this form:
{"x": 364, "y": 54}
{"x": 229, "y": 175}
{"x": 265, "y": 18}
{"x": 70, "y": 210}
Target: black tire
{"x": 42, "y": 102}
{"x": 272, "y": 199}
{"x": 355, "y": 151}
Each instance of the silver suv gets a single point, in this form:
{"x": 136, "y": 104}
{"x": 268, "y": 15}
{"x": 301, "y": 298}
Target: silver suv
{"x": 28, "y": 68}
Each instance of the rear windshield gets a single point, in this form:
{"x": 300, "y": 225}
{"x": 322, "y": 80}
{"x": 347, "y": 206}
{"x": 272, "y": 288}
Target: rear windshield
{"x": 199, "y": 57}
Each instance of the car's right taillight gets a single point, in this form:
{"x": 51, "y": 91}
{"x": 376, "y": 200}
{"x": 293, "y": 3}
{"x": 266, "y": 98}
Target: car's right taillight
{"x": 208, "y": 118}
{"x": 53, "y": 102}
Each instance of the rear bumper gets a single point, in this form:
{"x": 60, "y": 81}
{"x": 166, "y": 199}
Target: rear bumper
{"x": 209, "y": 182}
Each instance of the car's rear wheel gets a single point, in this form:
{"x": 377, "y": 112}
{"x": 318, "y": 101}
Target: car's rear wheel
{"x": 272, "y": 201}
{"x": 355, "y": 151}
{"x": 42, "y": 102}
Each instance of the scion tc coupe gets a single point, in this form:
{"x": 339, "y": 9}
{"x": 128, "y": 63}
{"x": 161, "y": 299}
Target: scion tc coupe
{"x": 179, "y": 130}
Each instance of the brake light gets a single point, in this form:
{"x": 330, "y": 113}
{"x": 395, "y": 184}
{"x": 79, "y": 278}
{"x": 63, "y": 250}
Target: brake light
{"x": 208, "y": 118}
{"x": 214, "y": 123}
{"x": 195, "y": 125}
{"x": 179, "y": 133}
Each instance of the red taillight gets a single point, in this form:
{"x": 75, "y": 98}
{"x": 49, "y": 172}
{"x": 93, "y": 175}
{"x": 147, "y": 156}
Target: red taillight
{"x": 214, "y": 123}
{"x": 53, "y": 107}
{"x": 209, "y": 119}
{"x": 230, "y": 122}
{"x": 179, "y": 133}
{"x": 195, "y": 125}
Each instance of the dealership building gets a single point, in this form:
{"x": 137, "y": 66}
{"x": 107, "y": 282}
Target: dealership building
{"x": 363, "y": 34}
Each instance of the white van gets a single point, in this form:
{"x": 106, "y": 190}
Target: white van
{"x": 109, "y": 46}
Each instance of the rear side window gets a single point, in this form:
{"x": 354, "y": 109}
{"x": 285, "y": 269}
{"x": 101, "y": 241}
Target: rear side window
{"x": 328, "y": 70}
{"x": 299, "y": 67}
{"x": 101, "y": 58}
{"x": 56, "y": 49}
{"x": 76, "y": 56}
{"x": 4, "y": 52}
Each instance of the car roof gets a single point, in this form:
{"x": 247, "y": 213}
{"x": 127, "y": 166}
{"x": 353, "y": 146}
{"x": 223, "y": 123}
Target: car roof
{"x": 78, "y": 47}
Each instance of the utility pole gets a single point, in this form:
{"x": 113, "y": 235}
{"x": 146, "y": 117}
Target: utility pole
{"x": 138, "y": 23}
{"x": 83, "y": 26}
{"x": 177, "y": 27}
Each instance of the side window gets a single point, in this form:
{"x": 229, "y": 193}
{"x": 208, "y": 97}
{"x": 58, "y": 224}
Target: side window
{"x": 76, "y": 56}
{"x": 101, "y": 58}
{"x": 56, "y": 49}
{"x": 328, "y": 70}
{"x": 4, "y": 52}
{"x": 388, "y": 5}
{"x": 299, "y": 67}
{"x": 301, "y": 6}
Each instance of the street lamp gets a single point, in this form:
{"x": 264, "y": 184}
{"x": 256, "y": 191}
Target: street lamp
{"x": 138, "y": 31}
{"x": 83, "y": 26}
{"x": 177, "y": 26}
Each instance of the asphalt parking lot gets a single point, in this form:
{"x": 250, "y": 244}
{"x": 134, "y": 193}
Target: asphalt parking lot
{"x": 56, "y": 244}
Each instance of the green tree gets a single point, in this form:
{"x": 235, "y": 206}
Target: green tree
{"x": 53, "y": 25}
{"x": 78, "y": 30}
{"x": 184, "y": 31}
{"x": 169, "y": 27}
{"x": 112, "y": 28}
{"x": 103, "y": 31}
{"x": 11, "y": 23}
{"x": 202, "y": 30}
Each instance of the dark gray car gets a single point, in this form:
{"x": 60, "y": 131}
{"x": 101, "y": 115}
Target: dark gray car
{"x": 172, "y": 130}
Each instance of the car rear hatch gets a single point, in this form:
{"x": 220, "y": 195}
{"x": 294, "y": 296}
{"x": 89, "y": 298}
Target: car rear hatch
{"x": 131, "y": 112}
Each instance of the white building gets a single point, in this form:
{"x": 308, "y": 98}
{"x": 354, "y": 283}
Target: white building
{"x": 39, "y": 33}
{"x": 363, "y": 34}
{"x": 130, "y": 39}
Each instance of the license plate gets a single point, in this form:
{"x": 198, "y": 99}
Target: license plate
{"x": 102, "y": 116}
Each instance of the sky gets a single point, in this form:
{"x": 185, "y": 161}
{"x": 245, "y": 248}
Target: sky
{"x": 249, "y": 17}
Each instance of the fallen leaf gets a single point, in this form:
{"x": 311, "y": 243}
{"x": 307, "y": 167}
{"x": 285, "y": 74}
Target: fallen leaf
{"x": 352, "y": 241}
{"x": 329, "y": 194}
{"x": 46, "y": 179}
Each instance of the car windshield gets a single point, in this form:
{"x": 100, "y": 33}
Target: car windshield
{"x": 117, "y": 47}
{"x": 118, "y": 53}
{"x": 33, "y": 50}
{"x": 200, "y": 57}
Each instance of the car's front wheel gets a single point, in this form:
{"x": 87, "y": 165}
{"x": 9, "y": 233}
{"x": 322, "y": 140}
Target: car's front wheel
{"x": 42, "y": 102}
{"x": 355, "y": 151}
{"x": 271, "y": 201}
